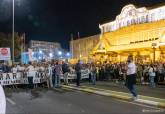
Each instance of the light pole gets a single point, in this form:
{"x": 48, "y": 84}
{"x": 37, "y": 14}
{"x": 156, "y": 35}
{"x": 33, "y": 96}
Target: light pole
{"x": 154, "y": 48}
{"x": 13, "y": 33}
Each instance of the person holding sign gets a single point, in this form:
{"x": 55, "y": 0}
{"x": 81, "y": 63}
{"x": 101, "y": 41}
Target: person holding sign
{"x": 31, "y": 74}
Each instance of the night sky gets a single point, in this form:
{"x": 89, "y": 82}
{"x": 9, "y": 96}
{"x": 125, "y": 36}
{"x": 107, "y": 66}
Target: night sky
{"x": 56, "y": 20}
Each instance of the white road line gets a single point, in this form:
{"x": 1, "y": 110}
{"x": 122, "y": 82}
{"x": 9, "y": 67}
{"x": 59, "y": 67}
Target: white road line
{"x": 10, "y": 101}
{"x": 143, "y": 105}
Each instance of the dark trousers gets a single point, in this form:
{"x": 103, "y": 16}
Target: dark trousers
{"x": 132, "y": 89}
{"x": 53, "y": 80}
{"x": 130, "y": 83}
{"x": 30, "y": 80}
{"x": 78, "y": 78}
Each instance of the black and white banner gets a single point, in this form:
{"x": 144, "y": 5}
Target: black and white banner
{"x": 20, "y": 78}
{"x": 40, "y": 77}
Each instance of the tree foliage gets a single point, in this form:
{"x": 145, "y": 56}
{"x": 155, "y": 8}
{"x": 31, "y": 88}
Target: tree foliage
{"x": 6, "y": 41}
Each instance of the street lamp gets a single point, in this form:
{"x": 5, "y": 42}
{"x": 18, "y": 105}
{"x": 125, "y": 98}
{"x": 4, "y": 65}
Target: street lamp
{"x": 68, "y": 55}
{"x": 40, "y": 52}
{"x": 60, "y": 53}
{"x": 50, "y": 55}
{"x": 13, "y": 32}
{"x": 154, "y": 48}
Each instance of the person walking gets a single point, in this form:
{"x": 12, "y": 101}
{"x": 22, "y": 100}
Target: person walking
{"x": 78, "y": 68}
{"x": 131, "y": 77}
{"x": 152, "y": 75}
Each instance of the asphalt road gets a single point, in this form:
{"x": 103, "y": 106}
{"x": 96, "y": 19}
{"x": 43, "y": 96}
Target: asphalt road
{"x": 68, "y": 101}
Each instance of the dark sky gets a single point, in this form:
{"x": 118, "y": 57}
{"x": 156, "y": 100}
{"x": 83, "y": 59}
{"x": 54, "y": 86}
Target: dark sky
{"x": 55, "y": 20}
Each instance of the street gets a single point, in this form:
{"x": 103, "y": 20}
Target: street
{"x": 68, "y": 101}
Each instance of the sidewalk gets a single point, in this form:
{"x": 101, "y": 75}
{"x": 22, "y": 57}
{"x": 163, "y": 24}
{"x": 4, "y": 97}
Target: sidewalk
{"x": 147, "y": 95}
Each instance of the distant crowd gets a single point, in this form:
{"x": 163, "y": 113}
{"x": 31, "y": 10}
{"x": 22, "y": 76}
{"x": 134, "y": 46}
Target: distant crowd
{"x": 145, "y": 73}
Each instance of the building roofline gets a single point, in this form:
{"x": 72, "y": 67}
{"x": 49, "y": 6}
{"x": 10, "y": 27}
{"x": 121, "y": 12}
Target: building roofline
{"x": 136, "y": 6}
{"x": 82, "y": 38}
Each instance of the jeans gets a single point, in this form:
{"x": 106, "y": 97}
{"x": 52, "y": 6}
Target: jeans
{"x": 132, "y": 89}
{"x": 152, "y": 81}
{"x": 57, "y": 80}
{"x": 66, "y": 78}
{"x": 49, "y": 81}
{"x": 53, "y": 79}
{"x": 93, "y": 79}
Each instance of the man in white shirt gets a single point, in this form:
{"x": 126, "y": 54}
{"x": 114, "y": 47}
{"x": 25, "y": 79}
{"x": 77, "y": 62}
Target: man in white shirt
{"x": 49, "y": 73}
{"x": 14, "y": 69}
{"x": 131, "y": 77}
{"x": 31, "y": 74}
{"x": 2, "y": 101}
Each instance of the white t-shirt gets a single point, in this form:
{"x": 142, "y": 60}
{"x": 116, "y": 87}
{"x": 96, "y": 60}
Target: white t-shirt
{"x": 2, "y": 101}
{"x": 31, "y": 71}
{"x": 21, "y": 68}
{"x": 50, "y": 71}
{"x": 42, "y": 68}
{"x": 151, "y": 72}
{"x": 131, "y": 69}
{"x": 14, "y": 70}
{"x": 36, "y": 68}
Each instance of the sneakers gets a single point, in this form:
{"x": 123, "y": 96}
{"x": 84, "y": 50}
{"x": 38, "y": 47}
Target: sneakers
{"x": 134, "y": 98}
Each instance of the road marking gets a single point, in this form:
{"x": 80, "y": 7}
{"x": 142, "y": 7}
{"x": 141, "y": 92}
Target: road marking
{"x": 143, "y": 105}
{"x": 122, "y": 92}
{"x": 10, "y": 101}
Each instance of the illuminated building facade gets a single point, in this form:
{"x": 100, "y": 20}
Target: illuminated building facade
{"x": 43, "y": 49}
{"x": 136, "y": 31}
{"x": 81, "y": 48}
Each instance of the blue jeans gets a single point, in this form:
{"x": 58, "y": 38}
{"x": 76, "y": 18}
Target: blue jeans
{"x": 93, "y": 79}
{"x": 132, "y": 89}
{"x": 152, "y": 81}
{"x": 57, "y": 80}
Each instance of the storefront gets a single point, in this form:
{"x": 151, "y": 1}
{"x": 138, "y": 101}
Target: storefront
{"x": 136, "y": 31}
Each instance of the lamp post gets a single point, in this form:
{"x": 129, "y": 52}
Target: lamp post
{"x": 154, "y": 48}
{"x": 60, "y": 54}
{"x": 13, "y": 34}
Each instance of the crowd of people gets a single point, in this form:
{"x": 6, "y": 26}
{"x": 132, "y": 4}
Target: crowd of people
{"x": 145, "y": 73}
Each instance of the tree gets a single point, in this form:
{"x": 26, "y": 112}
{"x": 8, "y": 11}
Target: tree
{"x": 6, "y": 41}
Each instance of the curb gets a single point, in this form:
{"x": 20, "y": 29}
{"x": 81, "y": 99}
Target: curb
{"x": 118, "y": 96}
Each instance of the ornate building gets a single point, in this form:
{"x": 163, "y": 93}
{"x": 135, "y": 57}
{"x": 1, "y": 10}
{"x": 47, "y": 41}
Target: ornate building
{"x": 81, "y": 48}
{"x": 136, "y": 31}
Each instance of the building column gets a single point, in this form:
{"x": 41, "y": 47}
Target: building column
{"x": 157, "y": 55}
{"x": 118, "y": 58}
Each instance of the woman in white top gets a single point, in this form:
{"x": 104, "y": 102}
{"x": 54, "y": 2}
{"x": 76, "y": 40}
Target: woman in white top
{"x": 152, "y": 75}
{"x": 49, "y": 74}
{"x": 31, "y": 74}
{"x": 14, "y": 69}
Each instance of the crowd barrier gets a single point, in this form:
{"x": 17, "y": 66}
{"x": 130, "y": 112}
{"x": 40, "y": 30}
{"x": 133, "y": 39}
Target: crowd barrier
{"x": 39, "y": 77}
